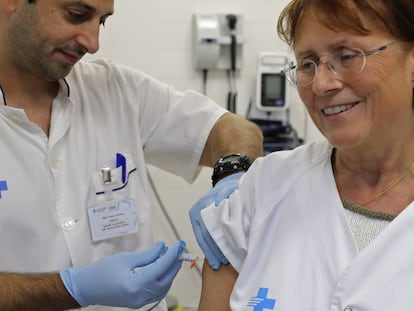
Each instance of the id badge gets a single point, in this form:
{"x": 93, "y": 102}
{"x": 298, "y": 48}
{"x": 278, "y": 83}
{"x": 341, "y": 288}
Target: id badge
{"x": 113, "y": 219}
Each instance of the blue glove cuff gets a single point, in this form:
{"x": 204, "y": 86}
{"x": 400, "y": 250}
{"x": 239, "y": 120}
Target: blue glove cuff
{"x": 231, "y": 177}
{"x": 66, "y": 275}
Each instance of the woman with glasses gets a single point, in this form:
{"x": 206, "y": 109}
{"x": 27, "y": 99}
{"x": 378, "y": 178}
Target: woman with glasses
{"x": 329, "y": 226}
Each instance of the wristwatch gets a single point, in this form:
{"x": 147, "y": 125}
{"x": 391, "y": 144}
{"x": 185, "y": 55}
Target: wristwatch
{"x": 230, "y": 164}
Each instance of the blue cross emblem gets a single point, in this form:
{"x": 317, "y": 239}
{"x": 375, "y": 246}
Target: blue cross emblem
{"x": 260, "y": 302}
{"x": 3, "y": 186}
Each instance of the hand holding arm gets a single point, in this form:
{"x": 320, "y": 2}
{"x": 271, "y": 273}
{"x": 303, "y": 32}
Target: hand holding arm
{"x": 222, "y": 190}
{"x": 231, "y": 134}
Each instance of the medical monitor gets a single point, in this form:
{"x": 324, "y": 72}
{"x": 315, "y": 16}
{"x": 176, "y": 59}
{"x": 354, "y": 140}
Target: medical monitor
{"x": 271, "y": 92}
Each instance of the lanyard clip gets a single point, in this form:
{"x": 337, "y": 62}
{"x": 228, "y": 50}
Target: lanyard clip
{"x": 106, "y": 175}
{"x": 107, "y": 180}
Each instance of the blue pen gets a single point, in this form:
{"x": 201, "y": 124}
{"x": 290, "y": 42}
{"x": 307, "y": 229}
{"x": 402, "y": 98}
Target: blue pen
{"x": 121, "y": 162}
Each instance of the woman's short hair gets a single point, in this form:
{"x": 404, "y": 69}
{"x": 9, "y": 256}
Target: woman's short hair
{"x": 394, "y": 16}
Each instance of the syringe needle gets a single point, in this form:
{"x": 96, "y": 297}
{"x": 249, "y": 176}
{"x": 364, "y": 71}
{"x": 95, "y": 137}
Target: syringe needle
{"x": 193, "y": 259}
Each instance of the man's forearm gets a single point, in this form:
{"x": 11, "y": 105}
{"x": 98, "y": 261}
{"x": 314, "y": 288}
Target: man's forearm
{"x": 232, "y": 134}
{"x": 34, "y": 292}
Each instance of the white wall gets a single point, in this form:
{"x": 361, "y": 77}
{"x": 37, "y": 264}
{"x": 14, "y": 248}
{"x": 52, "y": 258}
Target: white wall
{"x": 155, "y": 37}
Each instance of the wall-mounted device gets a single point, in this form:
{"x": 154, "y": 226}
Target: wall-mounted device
{"x": 269, "y": 108}
{"x": 271, "y": 88}
{"x": 217, "y": 41}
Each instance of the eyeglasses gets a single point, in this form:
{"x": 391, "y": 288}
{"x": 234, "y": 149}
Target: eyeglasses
{"x": 345, "y": 64}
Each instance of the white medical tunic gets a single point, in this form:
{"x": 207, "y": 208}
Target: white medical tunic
{"x": 47, "y": 184}
{"x": 286, "y": 233}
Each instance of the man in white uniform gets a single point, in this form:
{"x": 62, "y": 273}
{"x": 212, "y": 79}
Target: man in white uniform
{"x": 75, "y": 141}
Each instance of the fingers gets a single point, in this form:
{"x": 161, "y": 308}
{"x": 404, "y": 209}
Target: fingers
{"x": 169, "y": 261}
{"x": 166, "y": 280}
{"x": 149, "y": 256}
{"x": 200, "y": 235}
{"x": 223, "y": 189}
{"x": 152, "y": 282}
{"x": 203, "y": 237}
{"x": 225, "y": 193}
{"x": 214, "y": 253}
{"x": 226, "y": 187}
{"x": 208, "y": 246}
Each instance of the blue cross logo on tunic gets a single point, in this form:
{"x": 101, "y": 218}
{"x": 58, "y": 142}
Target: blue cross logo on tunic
{"x": 3, "y": 186}
{"x": 260, "y": 302}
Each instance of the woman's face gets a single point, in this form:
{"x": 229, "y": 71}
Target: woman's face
{"x": 368, "y": 108}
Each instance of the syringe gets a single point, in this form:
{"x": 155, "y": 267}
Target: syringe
{"x": 192, "y": 259}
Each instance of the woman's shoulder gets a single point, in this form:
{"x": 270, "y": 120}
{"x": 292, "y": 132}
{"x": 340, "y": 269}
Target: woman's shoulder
{"x": 274, "y": 176}
{"x": 276, "y": 173}
{"x": 300, "y": 158}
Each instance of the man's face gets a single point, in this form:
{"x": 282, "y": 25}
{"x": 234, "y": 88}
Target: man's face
{"x": 48, "y": 37}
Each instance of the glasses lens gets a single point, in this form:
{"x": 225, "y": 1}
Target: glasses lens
{"x": 305, "y": 71}
{"x": 348, "y": 63}
{"x": 345, "y": 64}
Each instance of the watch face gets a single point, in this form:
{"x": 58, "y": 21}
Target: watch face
{"x": 231, "y": 158}
{"x": 230, "y": 164}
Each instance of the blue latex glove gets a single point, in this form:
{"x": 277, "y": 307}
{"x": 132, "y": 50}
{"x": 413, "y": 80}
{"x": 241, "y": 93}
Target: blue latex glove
{"x": 222, "y": 190}
{"x": 116, "y": 280}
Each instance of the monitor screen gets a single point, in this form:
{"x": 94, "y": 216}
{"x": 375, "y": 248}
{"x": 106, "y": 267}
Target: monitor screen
{"x": 273, "y": 90}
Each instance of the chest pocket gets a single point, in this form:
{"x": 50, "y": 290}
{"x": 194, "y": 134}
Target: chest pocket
{"x": 112, "y": 179}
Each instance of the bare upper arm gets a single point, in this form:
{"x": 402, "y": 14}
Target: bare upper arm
{"x": 232, "y": 134}
{"x": 216, "y": 288}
